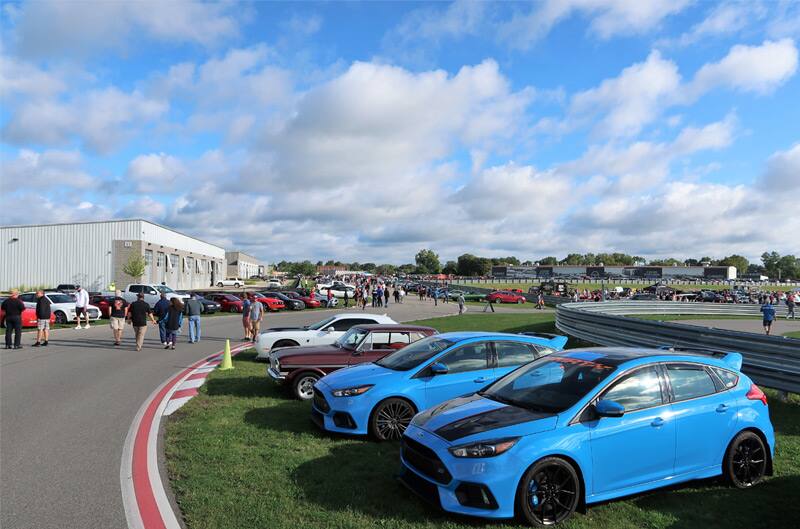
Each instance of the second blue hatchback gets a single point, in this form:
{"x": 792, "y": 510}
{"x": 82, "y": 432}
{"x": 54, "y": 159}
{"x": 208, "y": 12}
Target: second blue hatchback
{"x": 381, "y": 397}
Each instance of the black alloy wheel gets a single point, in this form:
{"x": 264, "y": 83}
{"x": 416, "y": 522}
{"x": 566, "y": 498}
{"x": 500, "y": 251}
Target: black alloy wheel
{"x": 746, "y": 460}
{"x": 390, "y": 419}
{"x": 61, "y": 318}
{"x": 549, "y": 492}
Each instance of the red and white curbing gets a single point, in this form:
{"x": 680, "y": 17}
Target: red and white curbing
{"x": 143, "y": 494}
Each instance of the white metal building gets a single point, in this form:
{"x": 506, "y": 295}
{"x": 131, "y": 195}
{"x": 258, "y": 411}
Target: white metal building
{"x": 93, "y": 254}
{"x": 243, "y": 265}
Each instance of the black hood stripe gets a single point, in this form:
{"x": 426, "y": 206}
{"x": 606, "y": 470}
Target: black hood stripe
{"x": 423, "y": 418}
{"x": 488, "y": 420}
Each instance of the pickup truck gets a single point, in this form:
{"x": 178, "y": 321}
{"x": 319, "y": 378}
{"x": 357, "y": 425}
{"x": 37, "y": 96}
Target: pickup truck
{"x": 152, "y": 293}
{"x": 231, "y": 282}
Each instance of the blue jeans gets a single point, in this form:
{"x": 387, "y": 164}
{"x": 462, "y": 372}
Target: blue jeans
{"x": 194, "y": 328}
{"x": 162, "y": 330}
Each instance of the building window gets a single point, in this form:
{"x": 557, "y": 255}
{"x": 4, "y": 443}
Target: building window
{"x": 160, "y": 259}
{"x": 148, "y": 257}
{"x": 173, "y": 260}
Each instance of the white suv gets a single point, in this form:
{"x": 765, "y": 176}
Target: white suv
{"x": 231, "y": 282}
{"x": 62, "y": 305}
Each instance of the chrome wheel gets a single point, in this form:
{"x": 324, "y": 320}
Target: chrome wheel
{"x": 549, "y": 492}
{"x": 304, "y": 387}
{"x": 747, "y": 460}
{"x": 391, "y": 418}
{"x": 61, "y": 318}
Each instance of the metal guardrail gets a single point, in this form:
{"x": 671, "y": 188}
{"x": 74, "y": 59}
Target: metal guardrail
{"x": 772, "y": 361}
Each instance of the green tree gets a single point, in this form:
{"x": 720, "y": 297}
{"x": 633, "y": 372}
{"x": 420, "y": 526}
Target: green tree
{"x": 135, "y": 266}
{"x": 407, "y": 268}
{"x": 427, "y": 262}
{"x": 386, "y": 269}
{"x": 770, "y": 260}
{"x": 741, "y": 263}
{"x": 305, "y": 268}
{"x": 788, "y": 267}
{"x": 471, "y": 265}
{"x": 548, "y": 261}
{"x": 368, "y": 267}
{"x": 451, "y": 267}
{"x": 572, "y": 259}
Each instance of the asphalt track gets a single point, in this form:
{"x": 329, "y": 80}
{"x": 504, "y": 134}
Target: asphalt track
{"x": 779, "y": 326}
{"x": 65, "y": 411}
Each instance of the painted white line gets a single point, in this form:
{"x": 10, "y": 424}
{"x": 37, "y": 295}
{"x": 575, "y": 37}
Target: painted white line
{"x": 189, "y": 384}
{"x": 175, "y": 404}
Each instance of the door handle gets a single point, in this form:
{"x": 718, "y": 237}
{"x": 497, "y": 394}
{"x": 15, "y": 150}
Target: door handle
{"x": 479, "y": 380}
{"x": 658, "y": 422}
{"x": 722, "y": 408}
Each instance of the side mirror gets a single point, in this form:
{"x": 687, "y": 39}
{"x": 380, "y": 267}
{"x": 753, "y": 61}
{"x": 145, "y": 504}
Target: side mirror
{"x": 609, "y": 408}
{"x": 438, "y": 368}
{"x": 327, "y": 329}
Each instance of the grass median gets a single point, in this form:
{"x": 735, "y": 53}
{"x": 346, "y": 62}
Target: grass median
{"x": 242, "y": 454}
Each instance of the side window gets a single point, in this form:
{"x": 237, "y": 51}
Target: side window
{"x": 729, "y": 379}
{"x": 136, "y": 289}
{"x": 471, "y": 357}
{"x": 414, "y": 336}
{"x": 637, "y": 391}
{"x": 344, "y": 324}
{"x": 513, "y": 353}
{"x": 689, "y": 382}
{"x": 380, "y": 340}
{"x": 400, "y": 337}
{"x": 28, "y": 298}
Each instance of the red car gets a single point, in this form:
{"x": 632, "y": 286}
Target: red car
{"x": 271, "y": 304}
{"x": 103, "y": 303}
{"x": 504, "y": 296}
{"x": 28, "y": 317}
{"x": 299, "y": 368}
{"x": 310, "y": 303}
{"x": 227, "y": 302}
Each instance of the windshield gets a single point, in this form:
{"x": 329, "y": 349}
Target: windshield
{"x": 352, "y": 338}
{"x": 413, "y": 355}
{"x": 320, "y": 325}
{"x": 551, "y": 384}
{"x": 61, "y": 298}
{"x": 165, "y": 289}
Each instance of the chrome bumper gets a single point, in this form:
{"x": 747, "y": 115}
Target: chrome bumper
{"x": 274, "y": 375}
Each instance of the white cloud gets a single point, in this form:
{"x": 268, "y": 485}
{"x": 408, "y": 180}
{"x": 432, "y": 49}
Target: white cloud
{"x": 51, "y": 28}
{"x": 44, "y": 170}
{"x": 459, "y": 18}
{"x": 760, "y": 69}
{"x": 19, "y": 78}
{"x": 723, "y": 19}
{"x": 100, "y": 119}
{"x": 608, "y": 18}
{"x": 783, "y": 171}
{"x": 155, "y": 173}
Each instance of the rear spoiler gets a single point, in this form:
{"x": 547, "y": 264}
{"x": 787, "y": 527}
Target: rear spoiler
{"x": 731, "y": 359}
{"x": 557, "y": 341}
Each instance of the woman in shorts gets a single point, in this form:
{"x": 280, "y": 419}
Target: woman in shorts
{"x": 246, "y": 318}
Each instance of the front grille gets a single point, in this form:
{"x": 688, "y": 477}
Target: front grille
{"x": 320, "y": 402}
{"x": 475, "y": 495}
{"x": 425, "y": 460}
{"x": 94, "y": 313}
{"x": 419, "y": 486}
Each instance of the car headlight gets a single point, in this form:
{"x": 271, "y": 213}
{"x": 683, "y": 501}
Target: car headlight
{"x": 352, "y": 392}
{"x": 491, "y": 448}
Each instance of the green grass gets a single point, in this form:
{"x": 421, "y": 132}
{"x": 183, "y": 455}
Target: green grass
{"x": 678, "y": 317}
{"x": 595, "y": 285}
{"x": 792, "y": 334}
{"x": 242, "y": 454}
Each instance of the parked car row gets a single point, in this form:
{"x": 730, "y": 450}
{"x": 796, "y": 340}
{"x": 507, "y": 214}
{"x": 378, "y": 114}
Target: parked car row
{"x": 497, "y": 425}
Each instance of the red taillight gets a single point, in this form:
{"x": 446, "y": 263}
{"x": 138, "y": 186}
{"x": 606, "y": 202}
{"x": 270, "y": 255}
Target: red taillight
{"x": 755, "y": 393}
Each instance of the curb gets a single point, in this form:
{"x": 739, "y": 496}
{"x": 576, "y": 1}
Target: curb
{"x": 143, "y": 492}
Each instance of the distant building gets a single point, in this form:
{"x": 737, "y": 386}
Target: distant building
{"x": 94, "y": 254}
{"x": 330, "y": 270}
{"x": 243, "y": 265}
{"x": 615, "y": 272}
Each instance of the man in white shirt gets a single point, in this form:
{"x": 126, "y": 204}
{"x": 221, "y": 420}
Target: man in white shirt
{"x": 81, "y": 303}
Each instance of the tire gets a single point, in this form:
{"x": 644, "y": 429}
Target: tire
{"x": 285, "y": 343}
{"x": 61, "y": 318}
{"x": 552, "y": 482}
{"x": 746, "y": 460}
{"x": 303, "y": 385}
{"x": 219, "y": 284}
{"x": 236, "y": 285}
{"x": 390, "y": 418}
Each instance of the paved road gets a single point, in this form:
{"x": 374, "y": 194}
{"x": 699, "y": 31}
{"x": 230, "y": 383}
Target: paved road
{"x": 65, "y": 411}
{"x": 779, "y": 327}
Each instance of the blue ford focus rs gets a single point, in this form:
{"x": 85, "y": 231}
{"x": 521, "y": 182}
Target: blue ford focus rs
{"x": 589, "y": 425}
{"x": 381, "y": 397}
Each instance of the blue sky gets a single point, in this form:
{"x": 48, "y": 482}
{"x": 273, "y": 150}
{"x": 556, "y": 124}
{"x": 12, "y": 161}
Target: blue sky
{"x": 365, "y": 131}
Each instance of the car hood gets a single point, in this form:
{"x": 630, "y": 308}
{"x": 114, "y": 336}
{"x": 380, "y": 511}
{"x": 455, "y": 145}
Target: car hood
{"x": 286, "y": 329}
{"x": 470, "y": 415}
{"x": 360, "y": 374}
{"x": 300, "y": 351}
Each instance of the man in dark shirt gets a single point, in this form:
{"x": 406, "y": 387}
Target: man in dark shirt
{"x": 43, "y": 314}
{"x": 118, "y": 313}
{"x": 138, "y": 313}
{"x": 13, "y": 308}
{"x": 161, "y": 309}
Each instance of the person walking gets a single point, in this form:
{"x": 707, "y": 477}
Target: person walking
{"x": 246, "y": 318}
{"x": 174, "y": 321}
{"x": 138, "y": 312}
{"x": 118, "y": 312}
{"x": 461, "y": 303}
{"x": 435, "y": 298}
{"x": 769, "y": 316}
{"x": 346, "y": 299}
{"x": 396, "y": 294}
{"x": 540, "y": 301}
{"x": 13, "y": 308}
{"x": 161, "y": 311}
{"x": 81, "y": 306}
{"x": 330, "y": 298}
{"x": 43, "y": 313}
{"x": 386, "y": 296}
{"x": 193, "y": 310}
{"x": 256, "y": 315}
{"x": 790, "y": 304}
